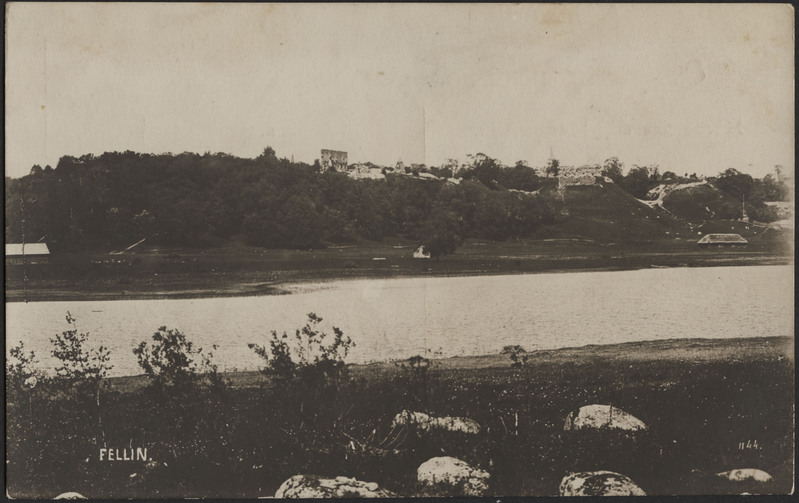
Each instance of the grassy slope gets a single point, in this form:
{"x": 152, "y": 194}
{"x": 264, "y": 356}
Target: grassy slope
{"x": 701, "y": 203}
{"x": 605, "y": 213}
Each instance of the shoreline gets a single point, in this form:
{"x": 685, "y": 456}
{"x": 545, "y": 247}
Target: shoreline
{"x": 675, "y": 350}
{"x": 280, "y": 282}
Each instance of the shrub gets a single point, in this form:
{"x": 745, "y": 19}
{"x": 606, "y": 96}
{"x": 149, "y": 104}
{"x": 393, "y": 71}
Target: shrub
{"x": 517, "y": 354}
{"x": 309, "y": 356}
{"x": 310, "y": 396}
{"x": 79, "y": 365}
{"x": 21, "y": 371}
{"x": 172, "y": 362}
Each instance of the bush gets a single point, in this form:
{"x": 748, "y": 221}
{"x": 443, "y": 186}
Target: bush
{"x": 415, "y": 381}
{"x": 172, "y": 363}
{"x": 307, "y": 357}
{"x": 310, "y": 396}
{"x": 80, "y": 366}
{"x": 21, "y": 371}
{"x": 517, "y": 354}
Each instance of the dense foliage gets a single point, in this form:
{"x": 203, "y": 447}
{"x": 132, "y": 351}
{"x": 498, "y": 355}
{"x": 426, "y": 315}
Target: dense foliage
{"x": 116, "y": 199}
{"x": 753, "y": 192}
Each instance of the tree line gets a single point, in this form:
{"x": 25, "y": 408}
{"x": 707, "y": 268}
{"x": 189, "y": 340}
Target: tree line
{"x": 190, "y": 200}
{"x": 639, "y": 180}
{"x": 116, "y": 199}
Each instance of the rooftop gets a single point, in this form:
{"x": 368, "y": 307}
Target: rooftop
{"x": 722, "y": 239}
{"x": 19, "y": 249}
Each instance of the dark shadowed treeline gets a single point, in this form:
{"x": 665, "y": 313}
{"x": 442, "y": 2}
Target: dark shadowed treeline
{"x": 115, "y": 199}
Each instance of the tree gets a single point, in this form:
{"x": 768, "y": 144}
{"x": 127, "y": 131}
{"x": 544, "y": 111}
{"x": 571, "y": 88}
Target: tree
{"x": 520, "y": 177}
{"x": 612, "y": 169}
{"x": 441, "y": 233}
{"x": 553, "y": 167}
{"x": 771, "y": 189}
{"x": 80, "y": 365}
{"x": 735, "y": 183}
{"x": 640, "y": 180}
{"x": 484, "y": 169}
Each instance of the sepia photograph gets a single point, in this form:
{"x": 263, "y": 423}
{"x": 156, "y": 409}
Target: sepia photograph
{"x": 271, "y": 250}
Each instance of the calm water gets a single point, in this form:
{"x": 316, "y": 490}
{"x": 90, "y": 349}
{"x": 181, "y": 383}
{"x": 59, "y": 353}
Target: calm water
{"x": 398, "y": 318}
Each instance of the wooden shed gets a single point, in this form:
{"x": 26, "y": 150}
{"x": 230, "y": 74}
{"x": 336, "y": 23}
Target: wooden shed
{"x": 722, "y": 240}
{"x": 28, "y": 253}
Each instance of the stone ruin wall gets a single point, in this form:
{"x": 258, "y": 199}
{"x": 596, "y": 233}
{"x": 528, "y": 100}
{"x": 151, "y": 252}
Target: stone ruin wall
{"x": 333, "y": 160}
{"x": 582, "y": 175}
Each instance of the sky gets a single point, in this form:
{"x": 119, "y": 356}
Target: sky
{"x": 692, "y": 88}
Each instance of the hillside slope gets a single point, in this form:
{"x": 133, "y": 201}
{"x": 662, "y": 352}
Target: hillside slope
{"x": 696, "y": 202}
{"x": 604, "y": 212}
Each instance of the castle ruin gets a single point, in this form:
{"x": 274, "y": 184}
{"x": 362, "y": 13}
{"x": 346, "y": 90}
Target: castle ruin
{"x": 333, "y": 160}
{"x": 584, "y": 175}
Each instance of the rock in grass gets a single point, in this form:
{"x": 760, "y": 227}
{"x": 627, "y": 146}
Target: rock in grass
{"x": 425, "y": 422}
{"x": 312, "y": 486}
{"x": 601, "y": 483}
{"x": 593, "y": 417}
{"x": 453, "y": 477}
{"x": 745, "y": 475}
{"x": 70, "y": 496}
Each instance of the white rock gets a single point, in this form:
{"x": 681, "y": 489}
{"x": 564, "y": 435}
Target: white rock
{"x": 311, "y": 486}
{"x": 453, "y": 475}
{"x": 428, "y": 423}
{"x": 745, "y": 475}
{"x": 70, "y": 496}
{"x": 601, "y": 483}
{"x": 602, "y": 417}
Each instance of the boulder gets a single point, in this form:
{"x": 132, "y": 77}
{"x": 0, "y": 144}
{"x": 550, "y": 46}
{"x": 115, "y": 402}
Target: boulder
{"x": 312, "y": 486}
{"x": 453, "y": 477}
{"x": 745, "y": 475}
{"x": 601, "y": 483}
{"x": 70, "y": 496}
{"x": 591, "y": 417}
{"x": 426, "y": 422}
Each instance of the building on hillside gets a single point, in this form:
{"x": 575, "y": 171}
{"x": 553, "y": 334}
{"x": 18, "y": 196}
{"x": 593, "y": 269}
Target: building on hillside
{"x": 722, "y": 240}
{"x": 27, "y": 253}
{"x": 360, "y": 171}
{"x": 569, "y": 176}
{"x": 333, "y": 160}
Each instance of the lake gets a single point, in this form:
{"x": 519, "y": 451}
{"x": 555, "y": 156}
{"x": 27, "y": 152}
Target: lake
{"x": 399, "y": 318}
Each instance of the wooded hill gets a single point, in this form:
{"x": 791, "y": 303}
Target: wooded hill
{"x": 110, "y": 201}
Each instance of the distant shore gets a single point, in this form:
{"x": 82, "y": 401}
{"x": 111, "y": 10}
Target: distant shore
{"x": 245, "y": 271}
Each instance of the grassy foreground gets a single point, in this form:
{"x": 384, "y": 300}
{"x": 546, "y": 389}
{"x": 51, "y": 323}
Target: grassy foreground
{"x": 711, "y": 406}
